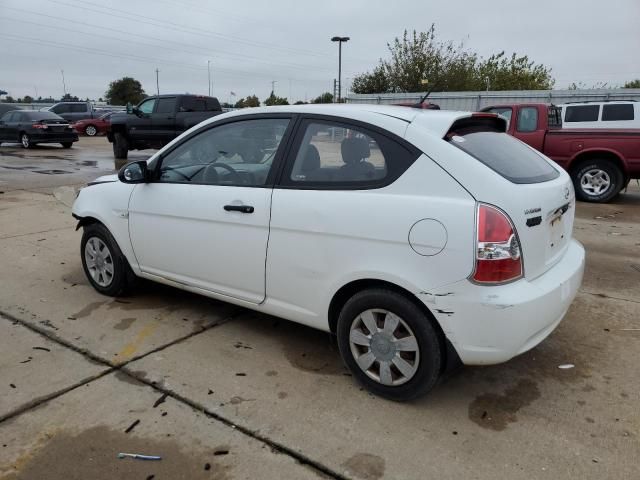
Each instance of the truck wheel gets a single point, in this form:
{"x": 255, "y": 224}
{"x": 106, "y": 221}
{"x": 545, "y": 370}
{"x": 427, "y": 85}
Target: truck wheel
{"x": 597, "y": 180}
{"x": 120, "y": 146}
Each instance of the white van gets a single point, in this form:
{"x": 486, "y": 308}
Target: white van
{"x": 619, "y": 114}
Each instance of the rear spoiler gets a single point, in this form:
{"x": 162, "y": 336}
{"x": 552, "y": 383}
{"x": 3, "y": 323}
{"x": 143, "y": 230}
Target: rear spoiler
{"x": 478, "y": 122}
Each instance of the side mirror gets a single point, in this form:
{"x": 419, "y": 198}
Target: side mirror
{"x": 134, "y": 172}
{"x": 129, "y": 107}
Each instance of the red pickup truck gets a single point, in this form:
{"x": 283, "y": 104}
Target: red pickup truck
{"x": 600, "y": 161}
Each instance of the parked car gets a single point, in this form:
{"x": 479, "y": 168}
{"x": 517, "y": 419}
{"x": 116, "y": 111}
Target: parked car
{"x": 601, "y": 162}
{"x": 418, "y": 237}
{"x": 611, "y": 114}
{"x": 74, "y": 111}
{"x": 157, "y": 120}
{"x": 94, "y": 126}
{"x": 32, "y": 127}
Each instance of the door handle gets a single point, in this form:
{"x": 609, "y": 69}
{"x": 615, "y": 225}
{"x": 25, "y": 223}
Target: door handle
{"x": 239, "y": 208}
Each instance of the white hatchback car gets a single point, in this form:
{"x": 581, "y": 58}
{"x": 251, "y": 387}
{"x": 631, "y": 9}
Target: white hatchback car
{"x": 418, "y": 237}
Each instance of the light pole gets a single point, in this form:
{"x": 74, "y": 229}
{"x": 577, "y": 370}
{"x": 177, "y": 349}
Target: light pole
{"x": 339, "y": 40}
{"x": 209, "y": 75}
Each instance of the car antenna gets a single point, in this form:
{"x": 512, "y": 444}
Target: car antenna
{"x": 421, "y": 101}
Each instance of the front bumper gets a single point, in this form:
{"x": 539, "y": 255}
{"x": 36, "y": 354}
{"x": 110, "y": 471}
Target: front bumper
{"x": 488, "y": 325}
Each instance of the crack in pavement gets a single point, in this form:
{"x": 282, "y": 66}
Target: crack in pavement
{"x": 604, "y": 295}
{"x": 33, "y": 233}
{"x": 112, "y": 367}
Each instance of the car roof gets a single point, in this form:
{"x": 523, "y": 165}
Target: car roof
{"x": 436, "y": 122}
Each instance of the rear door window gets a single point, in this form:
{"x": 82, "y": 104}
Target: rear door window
{"x": 166, "y": 105}
{"x": 582, "y": 113}
{"x": 615, "y": 112}
{"x": 79, "y": 108}
{"x": 528, "y": 119}
{"x": 503, "y": 154}
{"x": 199, "y": 104}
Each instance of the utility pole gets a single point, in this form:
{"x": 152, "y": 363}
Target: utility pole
{"x": 273, "y": 86}
{"x": 64, "y": 85}
{"x": 157, "y": 81}
{"x": 209, "y": 74}
{"x": 340, "y": 41}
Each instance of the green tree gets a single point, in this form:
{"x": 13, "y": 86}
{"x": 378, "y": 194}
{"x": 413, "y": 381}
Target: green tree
{"x": 9, "y": 99}
{"x": 419, "y": 59}
{"x": 27, "y": 99}
{"x": 300, "y": 102}
{"x": 273, "y": 99}
{"x": 632, "y": 84}
{"x": 123, "y": 91}
{"x": 250, "y": 101}
{"x": 67, "y": 97}
{"x": 326, "y": 97}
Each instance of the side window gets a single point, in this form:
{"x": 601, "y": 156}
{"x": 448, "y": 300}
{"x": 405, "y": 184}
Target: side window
{"x": 79, "y": 108}
{"x": 335, "y": 155}
{"x": 62, "y": 108}
{"x": 528, "y": 119}
{"x": 503, "y": 112}
{"x": 8, "y": 117}
{"x": 582, "y": 113}
{"x": 619, "y": 111}
{"x": 166, "y": 105}
{"x": 236, "y": 154}
{"x": 147, "y": 105}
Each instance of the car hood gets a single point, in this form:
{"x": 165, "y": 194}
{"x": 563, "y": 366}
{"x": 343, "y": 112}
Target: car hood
{"x": 105, "y": 179}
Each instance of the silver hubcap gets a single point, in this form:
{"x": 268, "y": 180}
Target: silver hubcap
{"x": 25, "y": 140}
{"x": 595, "y": 181}
{"x": 90, "y": 130}
{"x": 384, "y": 347}
{"x": 99, "y": 261}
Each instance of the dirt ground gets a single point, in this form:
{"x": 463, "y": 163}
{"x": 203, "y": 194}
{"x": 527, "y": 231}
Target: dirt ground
{"x": 225, "y": 393}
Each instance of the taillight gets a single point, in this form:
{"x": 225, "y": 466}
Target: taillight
{"x": 40, "y": 126}
{"x": 498, "y": 257}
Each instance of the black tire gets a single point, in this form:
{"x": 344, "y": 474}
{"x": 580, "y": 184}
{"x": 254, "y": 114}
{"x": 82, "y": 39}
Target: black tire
{"x": 91, "y": 130}
{"x": 120, "y": 146}
{"x": 67, "y": 144}
{"x": 611, "y": 173}
{"x": 428, "y": 340}
{"x": 123, "y": 277}
{"x": 25, "y": 140}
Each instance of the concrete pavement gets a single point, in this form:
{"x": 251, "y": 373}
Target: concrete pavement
{"x": 273, "y": 394}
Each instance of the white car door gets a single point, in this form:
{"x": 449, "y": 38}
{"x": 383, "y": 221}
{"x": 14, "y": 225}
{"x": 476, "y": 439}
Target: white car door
{"x": 204, "y": 219}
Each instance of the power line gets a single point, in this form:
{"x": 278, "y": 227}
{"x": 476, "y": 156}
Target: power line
{"x": 50, "y": 43}
{"x": 130, "y": 16}
{"x": 163, "y": 45}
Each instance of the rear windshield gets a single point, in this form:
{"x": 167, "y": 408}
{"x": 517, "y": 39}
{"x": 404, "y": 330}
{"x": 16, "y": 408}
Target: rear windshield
{"x": 505, "y": 155}
{"x": 42, "y": 116}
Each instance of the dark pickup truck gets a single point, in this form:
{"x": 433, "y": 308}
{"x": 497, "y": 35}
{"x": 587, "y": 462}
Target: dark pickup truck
{"x": 157, "y": 120}
{"x": 601, "y": 162}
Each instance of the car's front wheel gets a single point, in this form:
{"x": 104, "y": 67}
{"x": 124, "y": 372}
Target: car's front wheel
{"x": 91, "y": 130}
{"x": 25, "y": 140}
{"x": 103, "y": 262}
{"x": 389, "y": 344}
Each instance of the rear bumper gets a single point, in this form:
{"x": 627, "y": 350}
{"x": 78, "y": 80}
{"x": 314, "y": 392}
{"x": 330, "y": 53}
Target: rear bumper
{"x": 53, "y": 137}
{"x": 488, "y": 325}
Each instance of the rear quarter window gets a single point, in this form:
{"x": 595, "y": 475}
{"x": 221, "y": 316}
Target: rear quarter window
{"x": 503, "y": 154}
{"x": 618, "y": 111}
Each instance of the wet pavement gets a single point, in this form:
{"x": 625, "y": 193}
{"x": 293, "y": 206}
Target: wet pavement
{"x": 222, "y": 392}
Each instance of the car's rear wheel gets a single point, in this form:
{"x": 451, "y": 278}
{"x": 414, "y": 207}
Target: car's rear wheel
{"x": 389, "y": 344}
{"x": 91, "y": 130}
{"x": 104, "y": 264}
{"x": 120, "y": 146}
{"x": 25, "y": 140}
{"x": 67, "y": 144}
{"x": 597, "y": 180}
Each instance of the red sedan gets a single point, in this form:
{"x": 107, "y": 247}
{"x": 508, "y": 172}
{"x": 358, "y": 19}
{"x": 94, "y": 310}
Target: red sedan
{"x": 93, "y": 126}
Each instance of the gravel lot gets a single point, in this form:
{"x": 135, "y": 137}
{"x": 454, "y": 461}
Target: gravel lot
{"x": 222, "y": 392}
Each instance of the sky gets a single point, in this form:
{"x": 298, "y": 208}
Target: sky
{"x": 249, "y": 43}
